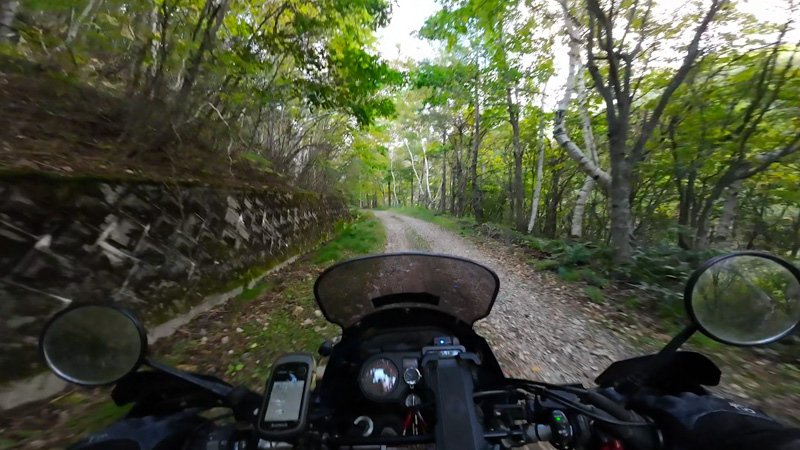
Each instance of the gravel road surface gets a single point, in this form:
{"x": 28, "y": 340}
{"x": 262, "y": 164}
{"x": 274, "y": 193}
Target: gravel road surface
{"x": 537, "y": 330}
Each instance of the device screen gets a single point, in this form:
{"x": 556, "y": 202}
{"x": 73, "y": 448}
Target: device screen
{"x": 286, "y": 393}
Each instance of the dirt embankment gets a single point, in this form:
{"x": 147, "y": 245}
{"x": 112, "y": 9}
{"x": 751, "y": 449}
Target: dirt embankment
{"x": 52, "y": 123}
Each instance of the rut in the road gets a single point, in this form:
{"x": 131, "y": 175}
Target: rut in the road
{"x": 535, "y": 330}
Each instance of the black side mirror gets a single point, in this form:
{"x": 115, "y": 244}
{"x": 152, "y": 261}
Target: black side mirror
{"x": 745, "y": 299}
{"x": 93, "y": 345}
{"x": 742, "y": 299}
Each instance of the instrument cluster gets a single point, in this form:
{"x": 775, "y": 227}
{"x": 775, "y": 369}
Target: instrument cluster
{"x": 390, "y": 377}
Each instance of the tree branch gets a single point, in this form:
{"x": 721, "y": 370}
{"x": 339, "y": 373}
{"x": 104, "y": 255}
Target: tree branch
{"x": 769, "y": 158}
{"x": 688, "y": 61}
{"x": 594, "y": 71}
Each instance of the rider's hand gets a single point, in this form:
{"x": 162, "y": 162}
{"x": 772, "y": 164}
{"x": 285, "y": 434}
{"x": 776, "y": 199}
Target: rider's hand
{"x": 690, "y": 422}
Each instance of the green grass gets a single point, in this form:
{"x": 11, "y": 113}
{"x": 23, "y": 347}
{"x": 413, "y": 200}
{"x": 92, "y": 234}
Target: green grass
{"x": 458, "y": 225}
{"x": 102, "y": 416}
{"x": 594, "y": 294}
{"x": 257, "y": 290}
{"x": 418, "y": 242}
{"x": 568, "y": 274}
{"x": 364, "y": 236}
{"x": 546, "y": 264}
{"x": 703, "y": 341}
{"x": 633, "y": 302}
{"x": 591, "y": 277}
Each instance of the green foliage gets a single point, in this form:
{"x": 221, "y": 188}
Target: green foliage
{"x": 591, "y": 277}
{"x": 253, "y": 293}
{"x": 259, "y": 161}
{"x": 444, "y": 221}
{"x": 102, "y": 416}
{"x": 364, "y": 236}
{"x": 574, "y": 255}
{"x": 594, "y": 294}
{"x": 278, "y": 85}
{"x": 568, "y": 274}
{"x": 547, "y": 264}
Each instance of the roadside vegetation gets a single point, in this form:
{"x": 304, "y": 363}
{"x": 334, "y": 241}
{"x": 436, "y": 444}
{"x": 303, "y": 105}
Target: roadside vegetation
{"x": 218, "y": 91}
{"x": 646, "y": 314}
{"x": 236, "y": 341}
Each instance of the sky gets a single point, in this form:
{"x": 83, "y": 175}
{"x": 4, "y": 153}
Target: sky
{"x": 408, "y": 16}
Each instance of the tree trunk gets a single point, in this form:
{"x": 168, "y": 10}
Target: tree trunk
{"x": 796, "y": 232}
{"x": 587, "y": 163}
{"x": 477, "y": 206}
{"x": 453, "y": 188}
{"x": 391, "y": 170}
{"x": 588, "y": 139}
{"x": 537, "y": 189}
{"x": 159, "y": 63}
{"x": 580, "y": 207}
{"x": 416, "y": 175}
{"x": 8, "y": 10}
{"x": 72, "y": 32}
{"x": 427, "y": 169}
{"x": 411, "y": 202}
{"x": 461, "y": 181}
{"x": 621, "y": 244}
{"x": 215, "y": 13}
{"x": 517, "y": 186}
{"x": 729, "y": 210}
{"x": 553, "y": 199}
{"x": 443, "y": 198}
{"x": 685, "y": 211}
{"x": 617, "y": 96}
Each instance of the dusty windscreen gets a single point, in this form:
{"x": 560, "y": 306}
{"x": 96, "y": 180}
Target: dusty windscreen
{"x": 354, "y": 289}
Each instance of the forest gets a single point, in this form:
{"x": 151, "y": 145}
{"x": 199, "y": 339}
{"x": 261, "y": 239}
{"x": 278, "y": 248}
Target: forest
{"x": 617, "y": 143}
{"x": 674, "y": 127}
{"x": 628, "y": 126}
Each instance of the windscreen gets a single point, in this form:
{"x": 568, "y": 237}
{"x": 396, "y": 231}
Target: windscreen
{"x": 352, "y": 290}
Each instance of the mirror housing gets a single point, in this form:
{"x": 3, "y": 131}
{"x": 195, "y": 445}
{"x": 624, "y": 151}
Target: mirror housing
{"x": 93, "y": 345}
{"x": 744, "y": 298}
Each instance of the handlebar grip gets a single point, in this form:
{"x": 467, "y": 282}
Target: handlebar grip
{"x": 538, "y": 432}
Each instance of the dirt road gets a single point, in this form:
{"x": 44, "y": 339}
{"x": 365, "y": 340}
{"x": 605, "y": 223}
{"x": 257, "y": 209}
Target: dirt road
{"x": 536, "y": 329}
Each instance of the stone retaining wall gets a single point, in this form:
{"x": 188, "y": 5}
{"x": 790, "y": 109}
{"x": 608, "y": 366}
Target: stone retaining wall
{"x": 155, "y": 248}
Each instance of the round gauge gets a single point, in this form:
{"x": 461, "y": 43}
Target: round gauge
{"x": 412, "y": 401}
{"x": 379, "y": 378}
{"x": 411, "y": 376}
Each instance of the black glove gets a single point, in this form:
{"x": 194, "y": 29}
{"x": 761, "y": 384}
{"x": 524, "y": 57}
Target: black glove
{"x": 692, "y": 422}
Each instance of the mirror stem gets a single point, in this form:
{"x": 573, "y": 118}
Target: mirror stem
{"x": 678, "y": 340}
{"x": 641, "y": 378}
{"x": 217, "y": 388}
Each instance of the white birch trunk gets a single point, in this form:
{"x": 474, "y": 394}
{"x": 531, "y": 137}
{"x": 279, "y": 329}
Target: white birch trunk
{"x": 730, "y": 208}
{"x": 559, "y": 130}
{"x": 586, "y": 118}
{"x": 394, "y": 182}
{"x": 8, "y": 10}
{"x": 580, "y": 207}
{"x": 72, "y": 32}
{"x": 589, "y": 144}
{"x": 537, "y": 189}
{"x": 427, "y": 169}
{"x": 154, "y": 17}
{"x": 414, "y": 168}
